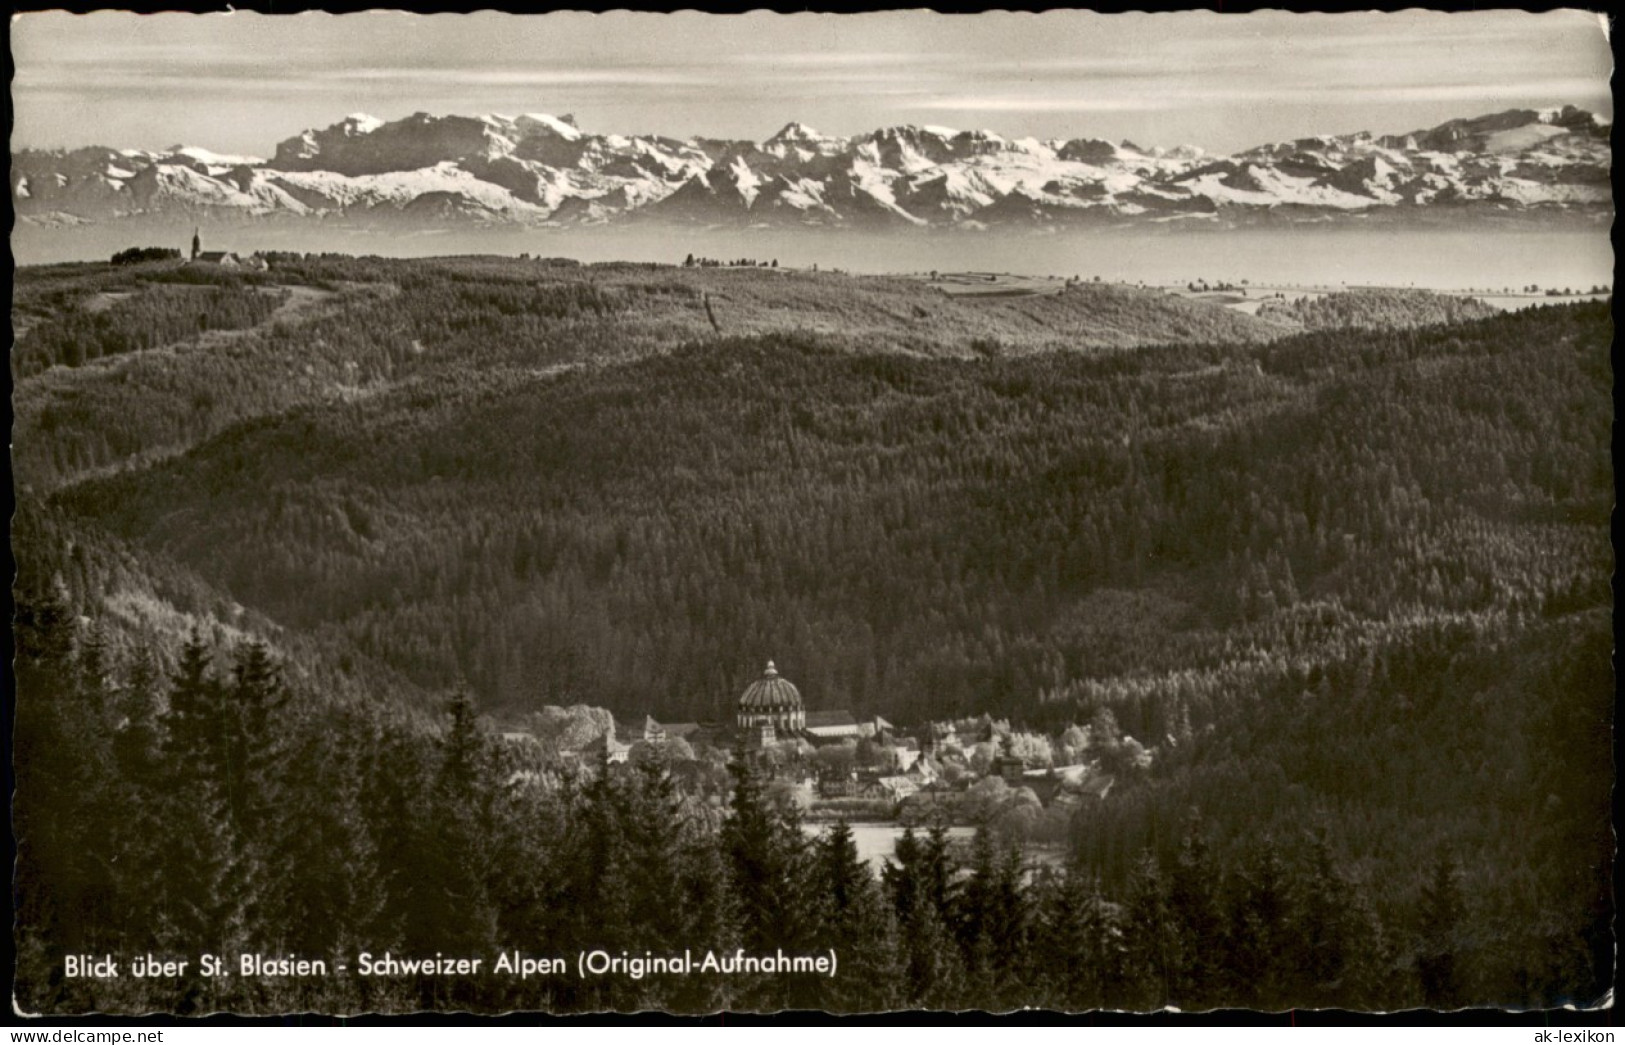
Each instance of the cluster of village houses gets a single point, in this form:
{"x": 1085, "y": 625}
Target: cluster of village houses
{"x": 833, "y": 755}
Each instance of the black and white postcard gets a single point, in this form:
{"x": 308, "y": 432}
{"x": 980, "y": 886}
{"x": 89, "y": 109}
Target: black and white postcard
{"x": 689, "y": 513}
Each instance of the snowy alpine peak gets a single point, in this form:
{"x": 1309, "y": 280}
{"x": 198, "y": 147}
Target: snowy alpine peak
{"x": 798, "y": 142}
{"x": 910, "y": 132}
{"x": 360, "y": 123}
{"x": 1094, "y": 151}
{"x": 212, "y": 159}
{"x": 557, "y": 126}
{"x": 537, "y": 168}
{"x": 797, "y": 132}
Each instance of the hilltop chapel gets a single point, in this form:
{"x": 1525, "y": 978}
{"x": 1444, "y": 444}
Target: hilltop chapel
{"x": 200, "y": 256}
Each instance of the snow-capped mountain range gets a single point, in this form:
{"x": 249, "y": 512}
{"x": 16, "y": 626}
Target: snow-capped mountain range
{"x": 541, "y": 170}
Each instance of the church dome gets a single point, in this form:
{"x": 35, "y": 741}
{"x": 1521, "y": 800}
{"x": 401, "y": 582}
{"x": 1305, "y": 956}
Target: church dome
{"x": 771, "y": 694}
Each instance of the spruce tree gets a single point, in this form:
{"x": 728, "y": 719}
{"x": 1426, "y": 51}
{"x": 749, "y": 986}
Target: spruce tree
{"x": 449, "y": 910}
{"x": 1321, "y": 935}
{"x": 654, "y": 830}
{"x": 327, "y": 897}
{"x": 919, "y": 881}
{"x": 768, "y": 873}
{"x": 933, "y": 969}
{"x": 86, "y": 870}
{"x": 857, "y": 924}
{"x": 254, "y": 706}
{"x": 1151, "y": 966}
{"x": 899, "y": 875}
{"x": 43, "y": 809}
{"x": 595, "y": 880}
{"x": 764, "y": 863}
{"x": 973, "y": 916}
{"x": 1077, "y": 943}
{"x": 1195, "y": 910}
{"x": 991, "y": 923}
{"x": 140, "y": 797}
{"x": 713, "y": 922}
{"x": 1375, "y": 977}
{"x": 937, "y": 869}
{"x": 201, "y": 902}
{"x": 1440, "y": 910}
{"x": 1260, "y": 920}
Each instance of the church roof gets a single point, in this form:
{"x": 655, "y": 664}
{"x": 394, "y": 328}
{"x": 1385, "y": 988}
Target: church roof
{"x": 821, "y": 719}
{"x": 771, "y": 692}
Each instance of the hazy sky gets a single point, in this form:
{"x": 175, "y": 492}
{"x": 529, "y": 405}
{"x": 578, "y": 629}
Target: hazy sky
{"x": 242, "y": 82}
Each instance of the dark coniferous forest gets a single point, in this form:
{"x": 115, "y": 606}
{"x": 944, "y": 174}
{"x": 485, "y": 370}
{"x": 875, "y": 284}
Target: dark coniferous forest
{"x": 297, "y": 547}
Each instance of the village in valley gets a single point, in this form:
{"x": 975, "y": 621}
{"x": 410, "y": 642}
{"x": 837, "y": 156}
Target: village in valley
{"x": 832, "y": 765}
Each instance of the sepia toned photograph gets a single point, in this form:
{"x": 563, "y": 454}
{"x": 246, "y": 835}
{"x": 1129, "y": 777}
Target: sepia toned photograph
{"x": 809, "y": 513}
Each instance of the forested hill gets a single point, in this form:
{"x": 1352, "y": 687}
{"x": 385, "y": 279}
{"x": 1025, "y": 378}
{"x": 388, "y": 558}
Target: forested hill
{"x": 119, "y": 365}
{"x": 1376, "y": 308}
{"x": 916, "y": 536}
{"x": 240, "y": 344}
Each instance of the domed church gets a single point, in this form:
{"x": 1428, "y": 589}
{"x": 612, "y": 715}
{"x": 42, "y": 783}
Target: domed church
{"x": 771, "y": 705}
